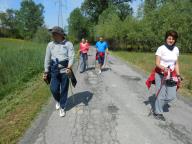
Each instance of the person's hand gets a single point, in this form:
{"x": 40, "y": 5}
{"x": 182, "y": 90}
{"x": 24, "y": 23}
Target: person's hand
{"x": 45, "y": 75}
{"x": 68, "y": 71}
{"x": 165, "y": 69}
{"x": 179, "y": 78}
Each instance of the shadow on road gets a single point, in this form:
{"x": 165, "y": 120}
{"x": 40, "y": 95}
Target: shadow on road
{"x": 90, "y": 68}
{"x": 105, "y": 69}
{"x": 81, "y": 97}
{"x": 151, "y": 101}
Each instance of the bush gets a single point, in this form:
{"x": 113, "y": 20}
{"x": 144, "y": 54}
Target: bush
{"x": 42, "y": 35}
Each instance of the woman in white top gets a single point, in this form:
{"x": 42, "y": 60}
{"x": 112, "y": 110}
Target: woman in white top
{"x": 166, "y": 61}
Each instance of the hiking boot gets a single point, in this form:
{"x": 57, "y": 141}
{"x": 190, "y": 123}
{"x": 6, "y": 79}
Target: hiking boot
{"x": 159, "y": 116}
{"x": 62, "y": 113}
{"x": 57, "y": 106}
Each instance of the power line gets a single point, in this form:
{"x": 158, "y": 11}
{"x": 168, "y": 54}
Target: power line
{"x": 60, "y": 13}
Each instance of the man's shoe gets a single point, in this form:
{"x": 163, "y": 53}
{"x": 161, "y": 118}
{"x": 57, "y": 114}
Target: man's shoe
{"x": 62, "y": 113}
{"x": 57, "y": 106}
{"x": 159, "y": 116}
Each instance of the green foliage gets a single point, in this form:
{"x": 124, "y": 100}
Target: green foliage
{"x": 22, "y": 23}
{"x": 29, "y": 18}
{"x": 124, "y": 10}
{"x": 42, "y": 35}
{"x": 19, "y": 62}
{"x": 146, "y": 32}
{"x": 78, "y": 25}
{"x": 93, "y": 8}
{"x": 109, "y": 24}
{"x": 8, "y": 24}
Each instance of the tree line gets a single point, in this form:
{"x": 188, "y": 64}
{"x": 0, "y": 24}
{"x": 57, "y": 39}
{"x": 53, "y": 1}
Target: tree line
{"x": 114, "y": 20}
{"x": 25, "y": 23}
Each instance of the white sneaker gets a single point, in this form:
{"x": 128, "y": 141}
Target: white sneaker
{"x": 99, "y": 72}
{"x": 57, "y": 106}
{"x": 62, "y": 113}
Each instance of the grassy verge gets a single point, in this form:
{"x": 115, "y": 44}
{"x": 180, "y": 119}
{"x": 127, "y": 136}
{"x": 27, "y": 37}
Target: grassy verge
{"x": 19, "y": 61}
{"x": 146, "y": 62}
{"x": 19, "y": 108}
{"x": 22, "y": 91}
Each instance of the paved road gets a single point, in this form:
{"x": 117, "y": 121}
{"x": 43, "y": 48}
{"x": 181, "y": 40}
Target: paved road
{"x": 111, "y": 108}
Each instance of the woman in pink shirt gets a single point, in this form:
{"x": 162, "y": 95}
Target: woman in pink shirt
{"x": 83, "y": 50}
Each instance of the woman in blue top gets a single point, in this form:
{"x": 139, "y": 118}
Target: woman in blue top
{"x": 102, "y": 47}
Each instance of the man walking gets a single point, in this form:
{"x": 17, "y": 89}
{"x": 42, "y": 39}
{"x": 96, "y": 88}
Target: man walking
{"x": 102, "y": 47}
{"x": 58, "y": 63}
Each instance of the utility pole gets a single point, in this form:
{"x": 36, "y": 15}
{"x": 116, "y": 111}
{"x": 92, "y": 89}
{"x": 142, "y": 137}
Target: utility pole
{"x": 60, "y": 13}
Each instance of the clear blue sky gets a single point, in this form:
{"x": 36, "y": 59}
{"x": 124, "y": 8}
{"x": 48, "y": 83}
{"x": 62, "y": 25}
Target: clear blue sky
{"x": 51, "y": 8}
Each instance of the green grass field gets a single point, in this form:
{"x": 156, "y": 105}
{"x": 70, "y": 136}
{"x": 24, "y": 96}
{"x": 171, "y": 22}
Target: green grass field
{"x": 22, "y": 90}
{"x": 146, "y": 62}
{"x": 19, "y": 62}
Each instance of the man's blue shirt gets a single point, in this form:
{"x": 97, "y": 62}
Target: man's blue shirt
{"x": 101, "y": 46}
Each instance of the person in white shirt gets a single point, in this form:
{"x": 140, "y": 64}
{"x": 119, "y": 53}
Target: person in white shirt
{"x": 166, "y": 62}
{"x": 58, "y": 63}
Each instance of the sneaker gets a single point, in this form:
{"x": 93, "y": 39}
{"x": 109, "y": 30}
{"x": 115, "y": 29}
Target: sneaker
{"x": 159, "y": 116}
{"x": 57, "y": 106}
{"x": 62, "y": 113}
{"x": 99, "y": 72}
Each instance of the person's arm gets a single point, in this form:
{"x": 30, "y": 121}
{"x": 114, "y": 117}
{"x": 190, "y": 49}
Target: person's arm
{"x": 88, "y": 46}
{"x": 177, "y": 71}
{"x": 47, "y": 59}
{"x": 47, "y": 62}
{"x": 79, "y": 48}
{"x": 71, "y": 54}
{"x": 107, "y": 48}
{"x": 177, "y": 68}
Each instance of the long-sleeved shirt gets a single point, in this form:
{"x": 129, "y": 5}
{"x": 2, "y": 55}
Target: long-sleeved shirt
{"x": 61, "y": 51}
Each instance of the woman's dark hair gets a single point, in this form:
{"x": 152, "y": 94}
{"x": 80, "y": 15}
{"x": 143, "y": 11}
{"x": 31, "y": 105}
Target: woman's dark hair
{"x": 171, "y": 33}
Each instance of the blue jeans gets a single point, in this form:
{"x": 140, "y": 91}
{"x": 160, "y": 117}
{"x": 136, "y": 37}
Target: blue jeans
{"x": 83, "y": 61}
{"x": 59, "y": 86}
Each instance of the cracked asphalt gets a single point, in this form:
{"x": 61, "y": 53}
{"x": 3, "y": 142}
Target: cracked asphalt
{"x": 111, "y": 108}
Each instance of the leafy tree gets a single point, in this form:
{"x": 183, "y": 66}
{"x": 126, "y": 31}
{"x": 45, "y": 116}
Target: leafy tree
{"x": 29, "y": 18}
{"x": 93, "y": 8}
{"x": 78, "y": 25}
{"x": 124, "y": 10}
{"x": 8, "y": 23}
